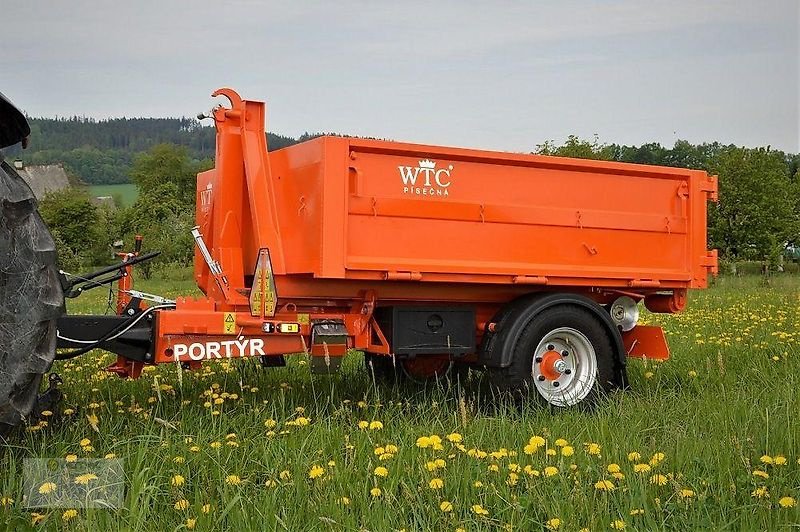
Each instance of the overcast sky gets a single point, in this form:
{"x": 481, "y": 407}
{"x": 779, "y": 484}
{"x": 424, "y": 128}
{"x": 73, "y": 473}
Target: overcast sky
{"x": 497, "y": 75}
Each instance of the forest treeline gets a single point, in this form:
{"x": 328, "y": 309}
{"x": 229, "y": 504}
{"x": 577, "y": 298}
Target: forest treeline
{"x": 102, "y": 152}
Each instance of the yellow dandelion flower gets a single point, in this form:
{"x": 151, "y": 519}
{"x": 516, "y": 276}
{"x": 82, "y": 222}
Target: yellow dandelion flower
{"x": 634, "y": 456}
{"x": 85, "y": 442}
{"x": 593, "y": 449}
{"x": 657, "y": 459}
{"x": 550, "y": 452}
{"x": 530, "y": 471}
{"x": 182, "y": 504}
{"x": 779, "y": 460}
{"x": 618, "y": 475}
{"x": 604, "y": 485}
{"x": 391, "y": 448}
{"x": 191, "y": 523}
{"x": 344, "y": 501}
{"x": 512, "y": 479}
{"x": 658, "y": 480}
{"x": 381, "y": 471}
{"x": 759, "y": 473}
{"x": 686, "y": 493}
{"x": 648, "y": 375}
{"x": 692, "y": 373}
{"x": 85, "y": 478}
{"x": 537, "y": 441}
{"x": 436, "y": 484}
{"x": 375, "y": 492}
{"x": 787, "y": 502}
{"x": 375, "y": 425}
{"x": 233, "y": 480}
{"x": 760, "y": 492}
{"x": 550, "y": 471}
{"x": 177, "y": 480}
{"x": 6, "y": 501}
{"x": 316, "y": 472}
{"x": 637, "y": 511}
{"x": 613, "y": 468}
{"x": 379, "y": 451}
{"x": 270, "y": 423}
{"x": 423, "y": 442}
{"x": 641, "y": 468}
{"x": 454, "y": 437}
{"x": 363, "y": 425}
{"x": 561, "y": 442}
{"x": 477, "y": 509}
{"x": 194, "y": 449}
{"x": 71, "y": 458}
{"x": 446, "y": 506}
{"x": 618, "y": 524}
{"x": 286, "y": 476}
{"x": 567, "y": 450}
{"x": 37, "y": 518}
{"x": 215, "y": 444}
{"x": 47, "y": 487}
{"x": 493, "y": 468}
{"x": 385, "y": 456}
{"x": 553, "y": 524}
{"x": 110, "y": 456}
{"x": 206, "y": 508}
{"x": 69, "y": 514}
{"x": 766, "y": 459}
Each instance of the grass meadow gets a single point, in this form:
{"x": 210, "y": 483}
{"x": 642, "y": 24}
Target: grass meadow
{"x": 709, "y": 440}
{"x": 126, "y": 192}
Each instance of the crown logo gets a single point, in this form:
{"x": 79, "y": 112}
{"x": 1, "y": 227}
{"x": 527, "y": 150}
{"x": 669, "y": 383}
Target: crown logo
{"x": 427, "y": 163}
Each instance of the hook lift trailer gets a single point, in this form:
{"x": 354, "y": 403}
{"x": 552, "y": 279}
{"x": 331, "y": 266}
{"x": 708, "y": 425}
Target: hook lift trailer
{"x": 428, "y": 259}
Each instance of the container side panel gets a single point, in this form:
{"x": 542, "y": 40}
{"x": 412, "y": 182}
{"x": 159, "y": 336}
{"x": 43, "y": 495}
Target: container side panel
{"x": 450, "y": 211}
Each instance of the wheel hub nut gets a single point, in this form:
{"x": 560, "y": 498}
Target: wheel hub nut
{"x": 560, "y": 366}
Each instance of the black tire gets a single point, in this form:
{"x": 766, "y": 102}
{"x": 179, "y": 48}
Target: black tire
{"x": 31, "y": 299}
{"x": 518, "y": 380}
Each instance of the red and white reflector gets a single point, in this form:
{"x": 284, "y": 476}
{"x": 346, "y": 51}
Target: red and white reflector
{"x": 263, "y": 297}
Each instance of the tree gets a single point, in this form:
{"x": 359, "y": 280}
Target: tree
{"x": 757, "y": 212}
{"x": 82, "y": 230}
{"x": 580, "y": 149}
{"x": 164, "y": 210}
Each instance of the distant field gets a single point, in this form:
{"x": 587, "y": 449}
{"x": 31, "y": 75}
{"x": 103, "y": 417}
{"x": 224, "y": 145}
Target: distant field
{"x": 127, "y": 192}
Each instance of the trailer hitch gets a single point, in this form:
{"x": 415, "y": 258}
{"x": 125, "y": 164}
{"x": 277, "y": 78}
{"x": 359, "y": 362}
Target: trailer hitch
{"x": 75, "y": 285}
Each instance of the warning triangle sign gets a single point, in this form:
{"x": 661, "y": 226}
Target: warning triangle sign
{"x": 229, "y": 318}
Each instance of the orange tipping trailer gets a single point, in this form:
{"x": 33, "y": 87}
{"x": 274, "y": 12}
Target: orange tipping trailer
{"x": 430, "y": 259}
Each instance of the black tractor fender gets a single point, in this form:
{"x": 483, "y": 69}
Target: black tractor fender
{"x": 14, "y": 127}
{"x": 508, "y": 323}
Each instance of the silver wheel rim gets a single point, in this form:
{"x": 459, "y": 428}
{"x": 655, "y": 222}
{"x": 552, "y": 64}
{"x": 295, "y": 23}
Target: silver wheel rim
{"x": 575, "y": 370}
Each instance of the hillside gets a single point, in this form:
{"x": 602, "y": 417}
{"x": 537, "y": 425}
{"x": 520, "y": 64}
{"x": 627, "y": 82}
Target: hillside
{"x": 101, "y": 152}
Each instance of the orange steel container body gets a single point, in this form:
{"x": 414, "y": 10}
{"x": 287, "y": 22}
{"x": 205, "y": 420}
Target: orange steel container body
{"x": 375, "y": 210}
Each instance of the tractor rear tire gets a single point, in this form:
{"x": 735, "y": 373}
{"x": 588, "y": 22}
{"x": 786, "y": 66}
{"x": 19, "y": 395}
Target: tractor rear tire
{"x": 31, "y": 299}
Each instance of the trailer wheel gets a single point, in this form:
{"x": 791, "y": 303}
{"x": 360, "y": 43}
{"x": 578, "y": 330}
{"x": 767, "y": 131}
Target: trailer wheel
{"x": 563, "y": 356}
{"x": 31, "y": 299}
{"x": 419, "y": 370}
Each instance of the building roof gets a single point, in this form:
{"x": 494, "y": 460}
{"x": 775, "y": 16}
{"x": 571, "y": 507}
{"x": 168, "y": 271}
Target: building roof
{"x": 43, "y": 178}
